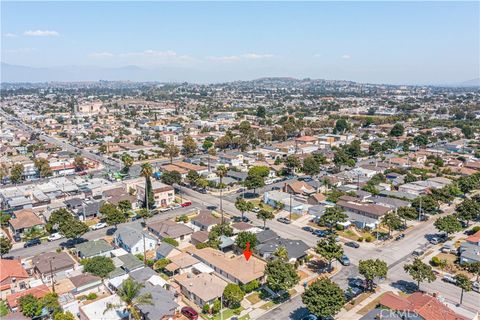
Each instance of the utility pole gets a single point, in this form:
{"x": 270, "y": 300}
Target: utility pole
{"x": 51, "y": 274}
{"x": 144, "y": 251}
{"x": 290, "y": 207}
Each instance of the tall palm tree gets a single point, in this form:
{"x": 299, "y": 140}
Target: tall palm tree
{"x": 281, "y": 253}
{"x": 147, "y": 172}
{"x": 221, "y": 172}
{"x": 130, "y": 294}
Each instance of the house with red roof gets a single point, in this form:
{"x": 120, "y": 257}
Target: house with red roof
{"x": 419, "y": 305}
{"x": 13, "y": 277}
{"x": 37, "y": 292}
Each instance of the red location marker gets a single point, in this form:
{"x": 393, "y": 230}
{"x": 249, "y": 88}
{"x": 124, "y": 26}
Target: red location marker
{"x": 247, "y": 253}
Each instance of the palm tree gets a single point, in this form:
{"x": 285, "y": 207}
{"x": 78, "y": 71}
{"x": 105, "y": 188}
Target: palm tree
{"x": 281, "y": 253}
{"x": 130, "y": 294}
{"x": 221, "y": 172}
{"x": 127, "y": 162}
{"x": 147, "y": 172}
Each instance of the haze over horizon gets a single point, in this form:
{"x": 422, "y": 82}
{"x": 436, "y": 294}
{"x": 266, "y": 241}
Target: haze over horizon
{"x": 373, "y": 42}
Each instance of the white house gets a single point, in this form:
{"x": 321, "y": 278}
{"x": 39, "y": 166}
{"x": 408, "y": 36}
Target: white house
{"x": 132, "y": 239}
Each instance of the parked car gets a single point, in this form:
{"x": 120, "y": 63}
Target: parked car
{"x": 98, "y": 226}
{"x": 357, "y": 282}
{"x": 69, "y": 244}
{"x": 449, "y": 278}
{"x": 164, "y": 209}
{"x": 476, "y": 286}
{"x": 276, "y": 188}
{"x": 308, "y": 229}
{"x": 190, "y": 313}
{"x": 186, "y": 204}
{"x": 284, "y": 220}
{"x": 352, "y": 292}
{"x": 418, "y": 252}
{"x": 54, "y": 236}
{"x": 352, "y": 244}
{"x": 211, "y": 207}
{"x": 400, "y": 237}
{"x": 434, "y": 240}
{"x": 320, "y": 233}
{"x": 241, "y": 219}
{"x": 32, "y": 242}
{"x": 310, "y": 317}
{"x": 256, "y": 210}
{"x": 344, "y": 260}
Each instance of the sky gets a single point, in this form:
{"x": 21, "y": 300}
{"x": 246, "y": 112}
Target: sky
{"x": 376, "y": 42}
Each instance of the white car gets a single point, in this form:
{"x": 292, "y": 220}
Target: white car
{"x": 163, "y": 209}
{"x": 54, "y": 236}
{"x": 256, "y": 210}
{"x": 99, "y": 225}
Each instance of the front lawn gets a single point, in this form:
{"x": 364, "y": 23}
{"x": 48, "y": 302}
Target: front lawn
{"x": 267, "y": 306}
{"x": 254, "y": 298}
{"x": 261, "y": 205}
{"x": 227, "y": 313}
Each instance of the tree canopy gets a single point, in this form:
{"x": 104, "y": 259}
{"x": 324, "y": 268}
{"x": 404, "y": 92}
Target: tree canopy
{"x": 281, "y": 275}
{"x": 324, "y": 298}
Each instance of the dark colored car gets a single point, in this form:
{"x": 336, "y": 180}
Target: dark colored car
{"x": 276, "y": 188}
{"x": 190, "y": 313}
{"x": 400, "y": 237}
{"x": 240, "y": 219}
{"x": 31, "y": 243}
{"x": 352, "y": 244}
{"x": 320, "y": 233}
{"x": 69, "y": 244}
{"x": 211, "y": 207}
{"x": 308, "y": 229}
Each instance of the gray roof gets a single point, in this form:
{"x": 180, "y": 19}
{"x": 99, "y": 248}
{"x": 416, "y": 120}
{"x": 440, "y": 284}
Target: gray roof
{"x": 116, "y": 272}
{"x": 142, "y": 275}
{"x": 225, "y": 242}
{"x": 131, "y": 234}
{"x": 470, "y": 252}
{"x": 130, "y": 262}
{"x": 74, "y": 202}
{"x": 93, "y": 248}
{"x": 391, "y": 202}
{"x": 164, "y": 249}
{"x": 295, "y": 248}
{"x": 237, "y": 175}
{"x": 164, "y": 303}
{"x": 92, "y": 208}
{"x": 266, "y": 235}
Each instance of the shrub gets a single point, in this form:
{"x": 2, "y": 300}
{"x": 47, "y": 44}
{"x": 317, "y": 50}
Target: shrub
{"x": 206, "y": 308}
{"x": 252, "y": 285}
{"x": 237, "y": 311}
{"x": 91, "y": 296}
{"x": 339, "y": 227}
{"x": 360, "y": 239}
{"x": 435, "y": 261}
{"x": 201, "y": 245}
{"x": 368, "y": 238}
{"x": 171, "y": 241}
{"x": 475, "y": 229}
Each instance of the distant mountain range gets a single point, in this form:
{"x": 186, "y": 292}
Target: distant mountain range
{"x": 18, "y": 73}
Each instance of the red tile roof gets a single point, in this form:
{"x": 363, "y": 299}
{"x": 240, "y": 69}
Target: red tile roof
{"x": 426, "y": 306}
{"x": 12, "y": 269}
{"x": 37, "y": 292}
{"x": 475, "y": 238}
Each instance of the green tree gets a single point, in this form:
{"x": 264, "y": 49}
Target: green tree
{"x": 79, "y": 163}
{"x": 64, "y": 316}
{"x": 310, "y": 166}
{"x": 265, "y": 215}
{"x": 341, "y": 158}
{"x": 329, "y": 249}
{"x": 233, "y": 295}
{"x": 189, "y": 146}
{"x": 50, "y": 302}
{"x": 125, "y": 206}
{"x": 261, "y": 112}
{"x": 426, "y": 204}
{"x": 464, "y": 283}
{"x": 473, "y": 267}
{"x": 16, "y": 173}
{"x": 130, "y": 294}
{"x": 407, "y": 213}
{"x": 292, "y": 162}
{"x": 161, "y": 264}
{"x": 127, "y": 162}
{"x": 99, "y": 266}
{"x": 448, "y": 224}
{"x": 420, "y": 271}
{"x": 341, "y": 125}
{"x": 262, "y": 171}
{"x": 243, "y": 206}
{"x": 112, "y": 215}
{"x": 392, "y": 221}
{"x": 171, "y": 151}
{"x": 171, "y": 177}
{"x": 324, "y": 298}
{"x": 281, "y": 275}
{"x": 243, "y": 237}
{"x": 468, "y": 132}
{"x": 5, "y": 246}
{"x": 397, "y": 130}
{"x": 4, "y": 219}
{"x": 43, "y": 167}
{"x": 468, "y": 209}
{"x": 193, "y": 177}
{"x": 72, "y": 229}
{"x": 371, "y": 269}
{"x": 254, "y": 181}
{"x": 332, "y": 216}
{"x": 146, "y": 172}
{"x": 31, "y": 306}
{"x": 281, "y": 253}
{"x": 56, "y": 218}
{"x": 171, "y": 241}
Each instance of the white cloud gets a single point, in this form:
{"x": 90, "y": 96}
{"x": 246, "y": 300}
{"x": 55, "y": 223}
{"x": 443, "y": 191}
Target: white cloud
{"x": 346, "y": 56}
{"x": 100, "y": 55}
{"x": 10, "y": 35}
{"x": 317, "y": 55}
{"x": 41, "y": 33}
{"x": 246, "y": 56}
